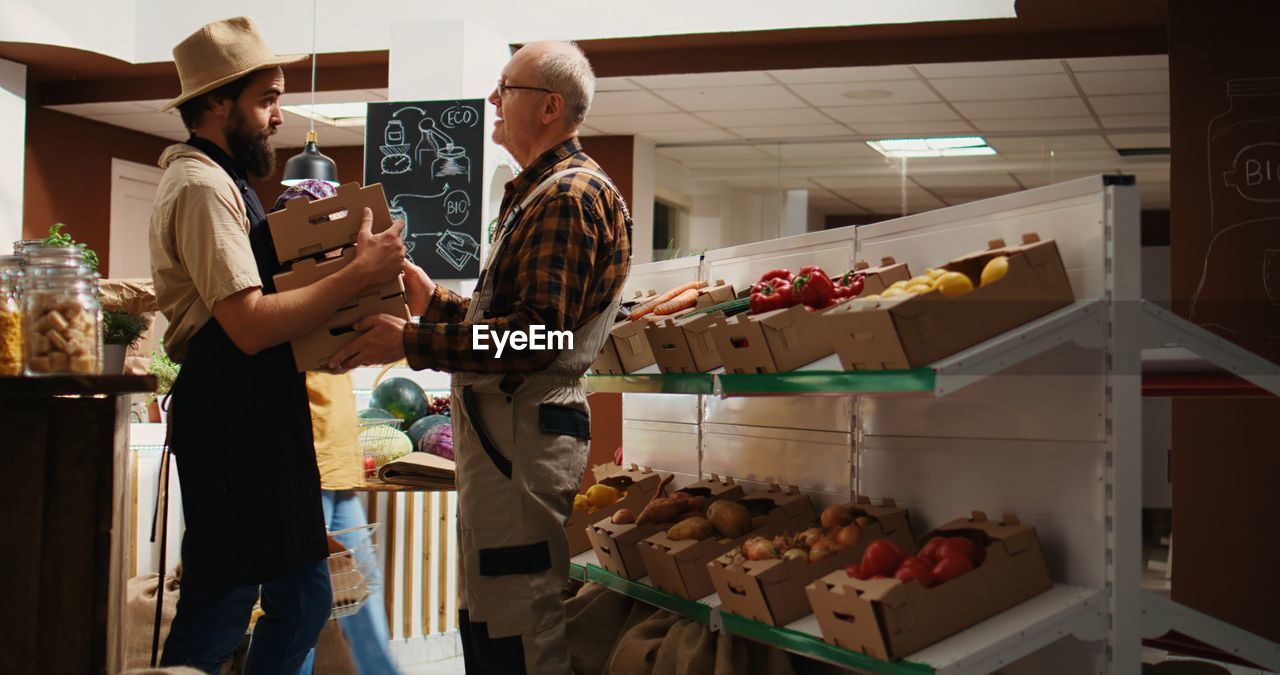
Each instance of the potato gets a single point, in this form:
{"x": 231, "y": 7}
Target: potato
{"x": 623, "y": 517}
{"x": 693, "y": 528}
{"x": 729, "y": 518}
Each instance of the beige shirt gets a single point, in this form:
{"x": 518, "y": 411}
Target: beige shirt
{"x": 336, "y": 429}
{"x": 200, "y": 250}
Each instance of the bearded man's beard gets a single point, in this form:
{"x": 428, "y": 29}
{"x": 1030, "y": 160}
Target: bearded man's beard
{"x": 252, "y": 148}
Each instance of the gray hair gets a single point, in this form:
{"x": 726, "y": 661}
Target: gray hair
{"x": 567, "y": 72}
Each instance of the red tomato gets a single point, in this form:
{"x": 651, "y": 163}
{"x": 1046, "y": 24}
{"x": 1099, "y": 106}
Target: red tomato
{"x": 964, "y": 547}
{"x": 918, "y": 560}
{"x": 930, "y": 549}
{"x": 915, "y": 573}
{"x": 856, "y": 573}
{"x": 950, "y": 567}
{"x": 881, "y": 557}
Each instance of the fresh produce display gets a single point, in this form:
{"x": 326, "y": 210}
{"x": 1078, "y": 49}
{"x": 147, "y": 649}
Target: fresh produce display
{"x": 948, "y": 283}
{"x": 810, "y": 545}
{"x": 418, "y": 429}
{"x": 779, "y": 289}
{"x": 848, "y": 285}
{"x": 815, "y": 288}
{"x": 382, "y": 444}
{"x": 401, "y": 397}
{"x": 678, "y": 294}
{"x": 728, "y": 307}
{"x": 375, "y": 414}
{"x": 598, "y": 496}
{"x": 438, "y": 405}
{"x": 995, "y": 269}
{"x": 771, "y": 294}
{"x": 685, "y": 300}
{"x": 940, "y": 560}
{"x": 438, "y": 441}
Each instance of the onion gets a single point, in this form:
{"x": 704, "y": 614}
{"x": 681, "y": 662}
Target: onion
{"x": 837, "y": 514}
{"x": 847, "y": 536}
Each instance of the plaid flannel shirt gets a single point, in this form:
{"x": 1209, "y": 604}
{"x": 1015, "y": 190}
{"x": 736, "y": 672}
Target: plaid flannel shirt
{"x": 565, "y": 259}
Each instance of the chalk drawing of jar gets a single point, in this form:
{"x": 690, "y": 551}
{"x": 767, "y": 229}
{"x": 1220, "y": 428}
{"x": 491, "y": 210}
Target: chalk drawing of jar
{"x": 431, "y": 142}
{"x": 399, "y": 213}
{"x": 451, "y": 161}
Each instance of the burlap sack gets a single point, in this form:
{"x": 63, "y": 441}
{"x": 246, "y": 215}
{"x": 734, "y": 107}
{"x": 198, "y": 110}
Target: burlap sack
{"x": 136, "y": 296}
{"x": 140, "y": 613}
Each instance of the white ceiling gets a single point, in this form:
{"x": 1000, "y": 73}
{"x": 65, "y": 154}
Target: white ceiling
{"x": 1049, "y": 120}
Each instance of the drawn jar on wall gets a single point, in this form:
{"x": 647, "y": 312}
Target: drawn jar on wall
{"x": 1239, "y": 290}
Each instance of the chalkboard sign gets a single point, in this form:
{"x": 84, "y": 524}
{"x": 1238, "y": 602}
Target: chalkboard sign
{"x": 428, "y": 155}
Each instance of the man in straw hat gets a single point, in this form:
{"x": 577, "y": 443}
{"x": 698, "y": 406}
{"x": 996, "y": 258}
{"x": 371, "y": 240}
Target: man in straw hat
{"x": 239, "y": 420}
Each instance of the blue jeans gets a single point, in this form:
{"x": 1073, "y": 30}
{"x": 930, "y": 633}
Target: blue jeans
{"x": 210, "y": 624}
{"x": 366, "y": 630}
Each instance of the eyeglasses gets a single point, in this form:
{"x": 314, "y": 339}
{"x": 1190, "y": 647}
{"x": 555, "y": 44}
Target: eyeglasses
{"x": 504, "y": 88}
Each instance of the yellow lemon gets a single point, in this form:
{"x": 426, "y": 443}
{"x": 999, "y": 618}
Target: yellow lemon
{"x": 919, "y": 288}
{"x": 580, "y": 503}
{"x": 873, "y": 296}
{"x": 922, "y": 279}
{"x": 995, "y": 270}
{"x": 952, "y": 284}
{"x": 892, "y": 292}
{"x": 900, "y": 285}
{"x": 933, "y": 273}
{"x": 600, "y": 495}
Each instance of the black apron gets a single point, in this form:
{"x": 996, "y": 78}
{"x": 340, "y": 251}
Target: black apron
{"x": 241, "y": 434}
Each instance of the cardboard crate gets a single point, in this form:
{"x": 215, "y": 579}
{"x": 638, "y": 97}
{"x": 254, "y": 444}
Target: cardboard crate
{"x": 684, "y": 345}
{"x": 876, "y": 279}
{"x": 714, "y": 294}
{"x": 617, "y": 546}
{"x": 626, "y": 350}
{"x": 680, "y": 567}
{"x": 773, "y": 342}
{"x": 888, "y": 619}
{"x": 913, "y": 331}
{"x": 304, "y": 228}
{"x": 308, "y": 271}
{"x": 313, "y": 350}
{"x": 772, "y": 591}
{"x": 641, "y": 484}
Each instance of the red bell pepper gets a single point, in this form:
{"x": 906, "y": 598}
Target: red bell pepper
{"x": 783, "y": 274}
{"x": 767, "y": 296}
{"x": 849, "y": 285}
{"x": 815, "y": 288}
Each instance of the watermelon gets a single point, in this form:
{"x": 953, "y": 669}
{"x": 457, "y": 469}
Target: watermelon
{"x": 384, "y": 443}
{"x": 421, "y": 426}
{"x": 401, "y": 397}
{"x": 375, "y": 414}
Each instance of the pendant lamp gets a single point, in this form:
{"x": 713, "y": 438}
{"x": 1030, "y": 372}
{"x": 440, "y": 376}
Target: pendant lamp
{"x": 311, "y": 164}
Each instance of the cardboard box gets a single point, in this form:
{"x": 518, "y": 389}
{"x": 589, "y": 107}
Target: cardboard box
{"x": 680, "y": 567}
{"x": 640, "y": 484}
{"x": 876, "y": 279}
{"x": 714, "y": 294}
{"x": 313, "y": 350}
{"x": 888, "y": 619}
{"x": 913, "y": 331}
{"x": 308, "y": 271}
{"x": 772, "y": 591}
{"x": 618, "y": 546}
{"x": 626, "y": 350}
{"x": 304, "y": 228}
{"x": 684, "y": 345}
{"x": 773, "y": 342}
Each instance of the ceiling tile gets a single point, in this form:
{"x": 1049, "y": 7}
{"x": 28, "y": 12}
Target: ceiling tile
{"x": 769, "y": 183}
{"x": 615, "y": 84}
{"x": 1139, "y": 140}
{"x": 938, "y": 182}
{"x": 1005, "y": 87}
{"x": 1046, "y": 143}
{"x": 959, "y": 194}
{"x": 303, "y": 96}
{"x": 96, "y": 109}
{"x": 627, "y": 103}
{"x": 1038, "y": 124}
{"x": 691, "y": 136}
{"x": 990, "y": 68}
{"x": 1042, "y": 178}
{"x": 1040, "y": 107}
{"x": 900, "y": 129}
{"x": 732, "y": 98}
{"x": 692, "y": 80}
{"x": 807, "y": 131}
{"x": 863, "y": 184}
{"x": 804, "y": 151}
{"x": 760, "y": 118}
{"x": 917, "y": 201}
{"x": 1048, "y": 155}
{"x": 876, "y": 93}
{"x": 1108, "y": 82}
{"x": 1130, "y": 105}
{"x": 712, "y": 152}
{"x": 638, "y": 124}
{"x": 854, "y": 74}
{"x": 913, "y": 112}
{"x": 1154, "y": 61}
{"x": 1135, "y": 121}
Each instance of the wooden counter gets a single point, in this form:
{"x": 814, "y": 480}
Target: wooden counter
{"x": 63, "y": 441}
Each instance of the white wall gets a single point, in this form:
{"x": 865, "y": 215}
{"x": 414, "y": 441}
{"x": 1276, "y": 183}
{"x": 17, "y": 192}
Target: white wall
{"x": 13, "y": 131}
{"x": 146, "y": 30}
{"x": 643, "y": 178}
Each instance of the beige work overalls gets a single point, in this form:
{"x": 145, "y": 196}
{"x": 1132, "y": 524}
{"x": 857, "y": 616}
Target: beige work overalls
{"x": 521, "y": 455}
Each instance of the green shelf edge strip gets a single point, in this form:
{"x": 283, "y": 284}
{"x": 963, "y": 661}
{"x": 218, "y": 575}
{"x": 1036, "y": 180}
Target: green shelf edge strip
{"x": 829, "y": 382}
{"x": 671, "y": 383}
{"x": 814, "y": 647}
{"x": 577, "y": 572}
{"x": 672, "y": 603}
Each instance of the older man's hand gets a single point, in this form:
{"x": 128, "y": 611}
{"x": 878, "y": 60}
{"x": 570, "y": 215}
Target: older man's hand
{"x": 381, "y": 341}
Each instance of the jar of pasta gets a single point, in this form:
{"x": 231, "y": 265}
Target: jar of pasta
{"x": 62, "y": 321}
{"x": 10, "y": 315}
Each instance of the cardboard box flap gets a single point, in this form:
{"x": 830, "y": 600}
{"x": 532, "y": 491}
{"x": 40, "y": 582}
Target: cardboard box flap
{"x": 1009, "y": 533}
{"x": 306, "y": 227}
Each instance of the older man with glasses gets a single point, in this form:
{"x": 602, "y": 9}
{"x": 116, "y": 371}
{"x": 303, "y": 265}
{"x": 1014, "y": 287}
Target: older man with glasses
{"x": 521, "y": 421}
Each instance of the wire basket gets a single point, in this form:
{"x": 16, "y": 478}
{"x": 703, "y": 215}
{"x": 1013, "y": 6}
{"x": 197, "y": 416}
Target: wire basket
{"x": 353, "y": 571}
{"x": 375, "y": 435}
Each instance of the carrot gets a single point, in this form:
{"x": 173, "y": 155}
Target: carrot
{"x": 685, "y": 299}
{"x": 665, "y": 297}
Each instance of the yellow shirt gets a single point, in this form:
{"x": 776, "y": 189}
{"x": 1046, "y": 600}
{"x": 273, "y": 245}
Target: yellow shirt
{"x": 336, "y": 429}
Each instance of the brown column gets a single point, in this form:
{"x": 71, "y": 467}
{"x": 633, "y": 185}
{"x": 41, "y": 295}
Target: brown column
{"x": 1224, "y": 71}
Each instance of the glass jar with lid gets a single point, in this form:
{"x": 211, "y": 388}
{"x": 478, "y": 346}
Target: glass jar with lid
{"x": 56, "y": 256}
{"x": 10, "y": 315}
{"x": 62, "y": 321}
{"x": 21, "y": 246}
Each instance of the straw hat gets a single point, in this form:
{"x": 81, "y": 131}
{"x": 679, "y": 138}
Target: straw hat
{"x": 222, "y": 52}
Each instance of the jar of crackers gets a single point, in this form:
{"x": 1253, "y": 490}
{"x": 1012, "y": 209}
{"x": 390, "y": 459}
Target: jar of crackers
{"x": 62, "y": 321}
{"x": 10, "y": 315}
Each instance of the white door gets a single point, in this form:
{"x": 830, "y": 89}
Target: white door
{"x": 133, "y": 189}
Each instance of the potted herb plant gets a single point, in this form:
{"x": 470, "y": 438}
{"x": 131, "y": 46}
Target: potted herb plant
{"x": 166, "y": 372}
{"x": 120, "y": 332}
